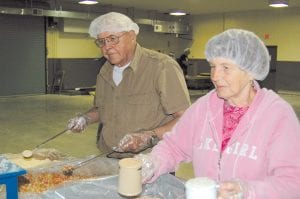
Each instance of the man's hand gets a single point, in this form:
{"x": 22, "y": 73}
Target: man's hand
{"x": 48, "y": 153}
{"x": 78, "y": 123}
{"x": 136, "y": 142}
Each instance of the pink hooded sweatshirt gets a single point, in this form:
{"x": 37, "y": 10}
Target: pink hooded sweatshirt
{"x": 263, "y": 153}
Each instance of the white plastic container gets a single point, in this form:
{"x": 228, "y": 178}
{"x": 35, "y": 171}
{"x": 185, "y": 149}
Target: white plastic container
{"x": 201, "y": 187}
{"x": 130, "y": 177}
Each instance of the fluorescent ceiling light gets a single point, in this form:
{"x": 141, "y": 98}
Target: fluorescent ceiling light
{"x": 88, "y": 2}
{"x": 278, "y": 3}
{"x": 177, "y": 13}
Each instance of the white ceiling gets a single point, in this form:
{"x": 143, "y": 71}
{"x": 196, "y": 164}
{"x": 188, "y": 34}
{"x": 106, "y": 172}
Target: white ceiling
{"x": 193, "y": 6}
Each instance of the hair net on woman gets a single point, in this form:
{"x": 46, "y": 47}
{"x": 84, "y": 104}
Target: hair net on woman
{"x": 242, "y": 47}
{"x": 112, "y": 22}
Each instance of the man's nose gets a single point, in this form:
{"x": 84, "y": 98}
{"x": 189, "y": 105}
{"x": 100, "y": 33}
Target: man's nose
{"x": 108, "y": 42}
{"x": 107, "y": 45}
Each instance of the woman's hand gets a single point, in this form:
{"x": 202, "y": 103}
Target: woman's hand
{"x": 148, "y": 167}
{"x": 230, "y": 190}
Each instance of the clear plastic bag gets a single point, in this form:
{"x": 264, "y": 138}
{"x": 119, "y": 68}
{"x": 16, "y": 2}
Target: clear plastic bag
{"x": 100, "y": 181}
{"x": 50, "y": 177}
{"x": 165, "y": 187}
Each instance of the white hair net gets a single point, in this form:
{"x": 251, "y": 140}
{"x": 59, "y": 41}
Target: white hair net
{"x": 242, "y": 47}
{"x": 112, "y": 22}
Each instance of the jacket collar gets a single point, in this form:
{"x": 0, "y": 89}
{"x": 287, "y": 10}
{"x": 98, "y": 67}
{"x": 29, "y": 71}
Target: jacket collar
{"x": 216, "y": 114}
{"x": 137, "y": 57}
{"x": 107, "y": 69}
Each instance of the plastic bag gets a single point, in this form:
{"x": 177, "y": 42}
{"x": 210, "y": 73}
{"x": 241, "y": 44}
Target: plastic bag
{"x": 165, "y": 187}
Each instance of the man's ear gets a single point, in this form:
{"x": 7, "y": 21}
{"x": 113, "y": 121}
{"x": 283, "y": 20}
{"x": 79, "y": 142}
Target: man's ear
{"x": 132, "y": 35}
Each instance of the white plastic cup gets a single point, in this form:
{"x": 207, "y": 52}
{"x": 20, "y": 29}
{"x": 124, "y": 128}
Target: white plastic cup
{"x": 201, "y": 187}
{"x": 130, "y": 177}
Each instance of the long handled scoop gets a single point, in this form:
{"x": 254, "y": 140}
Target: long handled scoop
{"x": 51, "y": 138}
{"x": 68, "y": 169}
{"x": 28, "y": 153}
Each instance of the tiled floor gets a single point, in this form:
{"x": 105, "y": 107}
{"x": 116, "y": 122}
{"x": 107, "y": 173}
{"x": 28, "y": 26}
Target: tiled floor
{"x": 26, "y": 121}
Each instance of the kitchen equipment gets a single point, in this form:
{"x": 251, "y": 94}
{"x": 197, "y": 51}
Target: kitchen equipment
{"x": 51, "y": 138}
{"x": 128, "y": 154}
{"x": 69, "y": 169}
{"x": 28, "y": 153}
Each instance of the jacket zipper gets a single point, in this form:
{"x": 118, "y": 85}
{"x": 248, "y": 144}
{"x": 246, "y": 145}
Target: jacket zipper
{"x": 219, "y": 166}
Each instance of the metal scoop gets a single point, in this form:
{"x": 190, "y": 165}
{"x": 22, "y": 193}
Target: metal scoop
{"x": 69, "y": 169}
{"x": 29, "y": 153}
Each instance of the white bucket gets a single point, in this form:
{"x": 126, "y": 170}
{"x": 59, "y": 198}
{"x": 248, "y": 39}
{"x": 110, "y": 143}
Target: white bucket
{"x": 201, "y": 187}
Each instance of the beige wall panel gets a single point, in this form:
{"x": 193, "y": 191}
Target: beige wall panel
{"x": 282, "y": 27}
{"x": 78, "y": 45}
{"x": 289, "y": 37}
{"x": 204, "y": 27}
{"x": 162, "y": 42}
{"x": 71, "y": 45}
{"x": 70, "y": 39}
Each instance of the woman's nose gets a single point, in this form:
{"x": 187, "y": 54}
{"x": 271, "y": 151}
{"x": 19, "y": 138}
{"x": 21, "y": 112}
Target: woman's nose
{"x": 214, "y": 75}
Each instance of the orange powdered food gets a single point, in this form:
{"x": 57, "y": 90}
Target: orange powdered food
{"x": 41, "y": 182}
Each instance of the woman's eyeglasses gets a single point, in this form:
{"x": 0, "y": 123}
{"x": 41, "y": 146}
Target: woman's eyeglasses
{"x": 111, "y": 39}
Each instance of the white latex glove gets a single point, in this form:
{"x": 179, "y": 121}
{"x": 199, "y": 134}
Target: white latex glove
{"x": 231, "y": 190}
{"x": 50, "y": 153}
{"x": 136, "y": 142}
{"x": 78, "y": 123}
{"x": 149, "y": 167}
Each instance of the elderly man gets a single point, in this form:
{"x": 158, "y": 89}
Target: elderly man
{"x": 140, "y": 93}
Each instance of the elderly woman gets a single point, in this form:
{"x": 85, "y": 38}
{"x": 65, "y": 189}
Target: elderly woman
{"x": 243, "y": 136}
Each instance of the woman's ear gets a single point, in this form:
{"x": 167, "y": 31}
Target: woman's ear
{"x": 251, "y": 76}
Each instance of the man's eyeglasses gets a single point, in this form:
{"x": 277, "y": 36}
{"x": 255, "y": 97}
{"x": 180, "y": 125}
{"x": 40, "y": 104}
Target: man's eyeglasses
{"x": 111, "y": 39}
